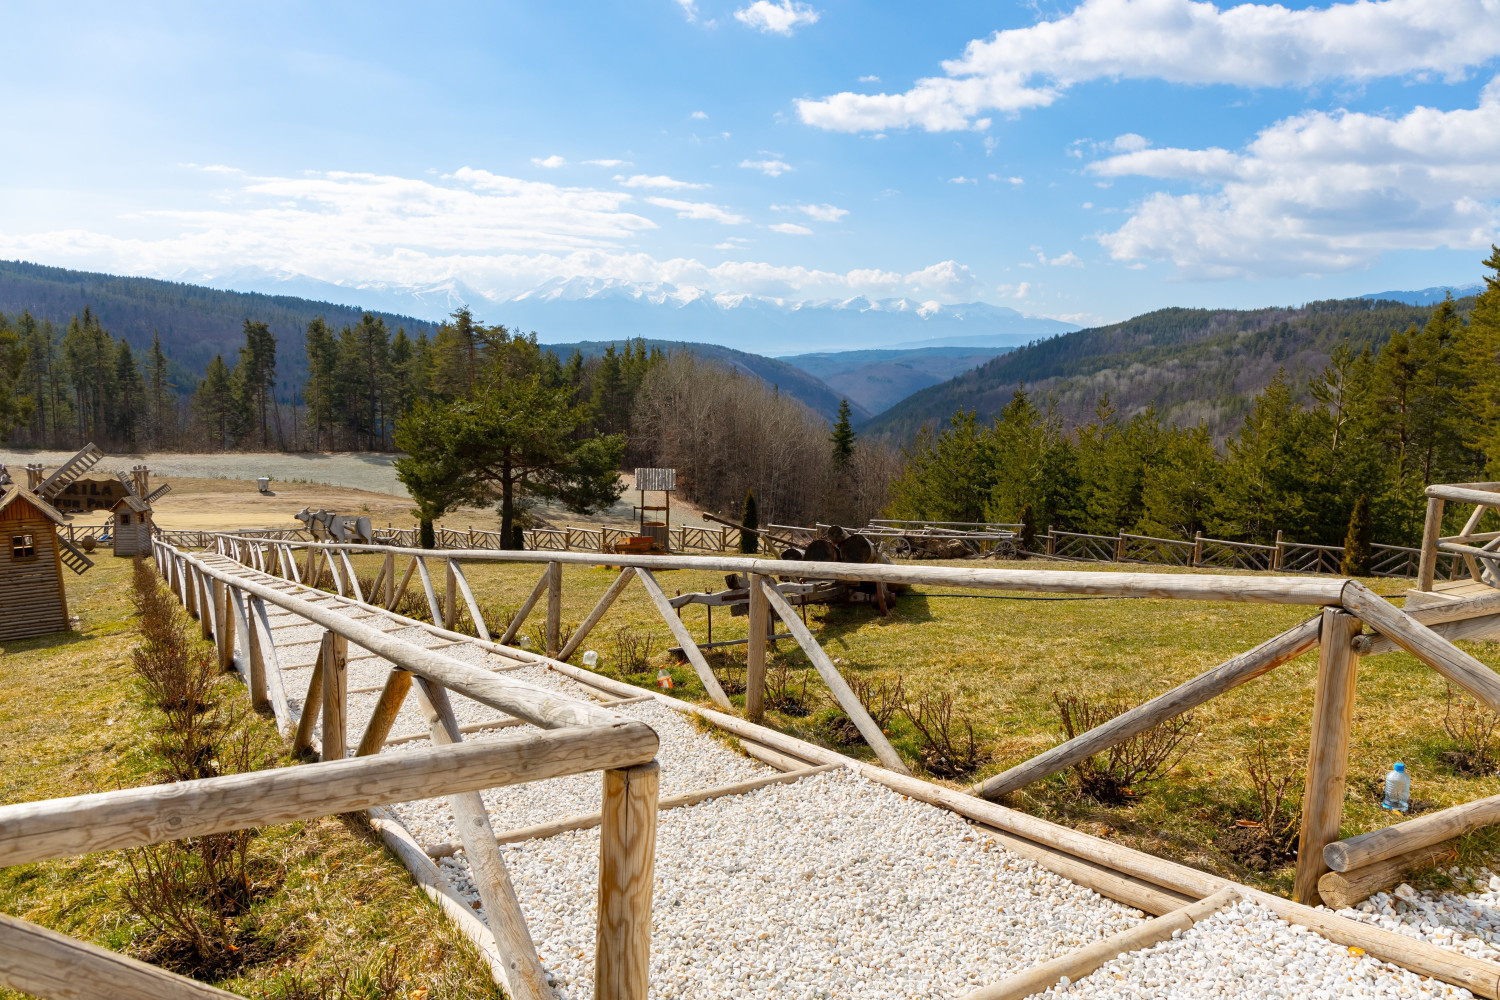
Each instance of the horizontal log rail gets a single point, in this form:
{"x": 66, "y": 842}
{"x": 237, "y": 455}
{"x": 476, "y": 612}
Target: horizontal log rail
{"x": 1402, "y": 838}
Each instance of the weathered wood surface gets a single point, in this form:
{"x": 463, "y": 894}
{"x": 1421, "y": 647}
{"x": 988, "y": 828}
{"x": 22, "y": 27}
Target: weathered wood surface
{"x": 846, "y": 697}
{"x": 1075, "y": 965}
{"x": 312, "y": 706}
{"x": 627, "y": 860}
{"x": 432, "y": 602}
{"x": 1423, "y": 643}
{"x": 456, "y": 574}
{"x": 334, "y": 654}
{"x": 554, "y": 607}
{"x": 1470, "y": 618}
{"x": 1127, "y": 889}
{"x": 1409, "y": 835}
{"x": 383, "y": 717}
{"x": 1328, "y": 753}
{"x": 526, "y": 606}
{"x": 44, "y": 963}
{"x": 1341, "y": 889}
{"x": 685, "y": 640}
{"x": 65, "y": 827}
{"x": 1242, "y": 668}
{"x": 755, "y": 656}
{"x": 616, "y": 588}
{"x": 524, "y": 978}
{"x": 1431, "y": 529}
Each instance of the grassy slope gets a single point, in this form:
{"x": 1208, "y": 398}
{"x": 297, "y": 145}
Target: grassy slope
{"x": 72, "y": 720}
{"x": 1004, "y": 659}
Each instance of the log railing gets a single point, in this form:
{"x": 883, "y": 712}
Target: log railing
{"x": 578, "y": 737}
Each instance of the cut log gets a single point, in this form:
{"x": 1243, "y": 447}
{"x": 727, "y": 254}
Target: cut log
{"x": 1402, "y": 838}
{"x": 1341, "y": 889}
{"x": 627, "y": 861}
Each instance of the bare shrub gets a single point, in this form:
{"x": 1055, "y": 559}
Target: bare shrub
{"x": 632, "y": 650}
{"x": 1108, "y": 777}
{"x": 783, "y": 692}
{"x": 1277, "y": 779}
{"x": 881, "y": 700}
{"x": 1472, "y": 728}
{"x": 946, "y": 745}
{"x": 729, "y": 669}
{"x": 379, "y": 980}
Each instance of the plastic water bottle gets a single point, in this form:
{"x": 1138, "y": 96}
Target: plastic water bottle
{"x": 590, "y": 659}
{"x": 1397, "y": 789}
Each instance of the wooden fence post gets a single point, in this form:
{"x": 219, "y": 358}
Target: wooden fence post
{"x": 390, "y": 580}
{"x": 1198, "y": 548}
{"x": 223, "y": 625}
{"x": 450, "y": 595}
{"x": 1051, "y": 542}
{"x": 1328, "y": 750}
{"x": 554, "y": 607}
{"x": 1120, "y": 547}
{"x": 335, "y": 656}
{"x": 755, "y": 658}
{"x": 627, "y": 858}
{"x": 260, "y": 698}
{"x": 1431, "y": 529}
{"x": 205, "y": 603}
{"x": 1279, "y": 555}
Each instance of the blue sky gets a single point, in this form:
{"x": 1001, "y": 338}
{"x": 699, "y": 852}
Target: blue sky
{"x": 1086, "y": 161}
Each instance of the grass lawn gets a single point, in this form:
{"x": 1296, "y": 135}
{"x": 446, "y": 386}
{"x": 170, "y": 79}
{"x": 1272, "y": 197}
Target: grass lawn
{"x": 330, "y": 899}
{"x": 1003, "y": 657}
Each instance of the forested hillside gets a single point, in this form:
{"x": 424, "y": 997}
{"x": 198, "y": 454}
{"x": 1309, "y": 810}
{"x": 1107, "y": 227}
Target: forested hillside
{"x": 1193, "y": 365}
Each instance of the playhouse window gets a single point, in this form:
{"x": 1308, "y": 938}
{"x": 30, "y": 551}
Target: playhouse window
{"x": 22, "y": 547}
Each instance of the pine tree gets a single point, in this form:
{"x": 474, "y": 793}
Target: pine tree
{"x": 843, "y": 437}
{"x": 749, "y": 523}
{"x": 159, "y": 406}
{"x": 14, "y": 405}
{"x": 129, "y": 401}
{"x": 1028, "y": 528}
{"x": 255, "y": 380}
{"x": 214, "y": 402}
{"x": 322, "y": 370}
{"x": 1357, "y": 542}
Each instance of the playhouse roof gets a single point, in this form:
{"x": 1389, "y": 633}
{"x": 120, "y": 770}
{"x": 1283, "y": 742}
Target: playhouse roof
{"x": 134, "y": 503}
{"x": 14, "y": 493}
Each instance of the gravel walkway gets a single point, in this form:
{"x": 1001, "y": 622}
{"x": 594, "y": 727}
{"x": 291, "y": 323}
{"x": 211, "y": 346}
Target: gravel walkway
{"x": 836, "y": 887}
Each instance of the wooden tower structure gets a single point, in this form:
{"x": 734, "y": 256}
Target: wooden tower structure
{"x": 33, "y": 600}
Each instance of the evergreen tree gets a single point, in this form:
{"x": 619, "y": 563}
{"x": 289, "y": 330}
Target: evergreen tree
{"x": 843, "y": 437}
{"x": 255, "y": 381}
{"x": 322, "y": 374}
{"x": 214, "y": 403}
{"x": 749, "y": 524}
{"x": 129, "y": 401}
{"x": 1028, "y": 528}
{"x": 1259, "y": 485}
{"x": 1357, "y": 542}
{"x": 949, "y": 477}
{"x": 15, "y": 406}
{"x": 161, "y": 408}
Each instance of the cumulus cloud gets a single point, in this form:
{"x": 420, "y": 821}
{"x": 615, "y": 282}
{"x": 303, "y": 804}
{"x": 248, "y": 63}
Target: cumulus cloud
{"x": 771, "y": 168}
{"x": 824, "y": 212}
{"x": 1129, "y": 143}
{"x": 660, "y": 182}
{"x": 869, "y": 79}
{"x": 698, "y": 114}
{"x": 1179, "y": 41}
{"x": 550, "y": 162}
{"x": 1069, "y": 259}
{"x": 1319, "y": 192}
{"x": 1015, "y": 291}
{"x": 777, "y": 18}
{"x": 790, "y": 228}
{"x": 497, "y": 236}
{"x": 607, "y": 163}
{"x": 963, "y": 180}
{"x": 699, "y": 210}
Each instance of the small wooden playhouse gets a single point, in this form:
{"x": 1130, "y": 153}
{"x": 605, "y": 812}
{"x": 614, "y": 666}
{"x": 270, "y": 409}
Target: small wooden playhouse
{"x": 33, "y": 600}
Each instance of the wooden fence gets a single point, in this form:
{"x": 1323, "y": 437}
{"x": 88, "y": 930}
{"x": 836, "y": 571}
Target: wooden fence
{"x": 1329, "y": 869}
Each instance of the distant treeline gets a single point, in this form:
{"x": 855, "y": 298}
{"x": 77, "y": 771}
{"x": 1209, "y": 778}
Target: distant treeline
{"x": 1382, "y": 423}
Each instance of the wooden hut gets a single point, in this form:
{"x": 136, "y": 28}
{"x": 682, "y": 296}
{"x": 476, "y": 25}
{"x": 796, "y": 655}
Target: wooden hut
{"x": 132, "y": 526}
{"x": 33, "y": 600}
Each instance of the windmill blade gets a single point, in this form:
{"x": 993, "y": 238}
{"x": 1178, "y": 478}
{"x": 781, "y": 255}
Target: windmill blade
{"x": 88, "y": 456}
{"x": 160, "y": 491}
{"x": 73, "y": 557}
{"x": 124, "y": 478}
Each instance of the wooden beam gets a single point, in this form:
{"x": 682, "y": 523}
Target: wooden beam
{"x": 846, "y": 697}
{"x": 1402, "y": 838}
{"x": 526, "y": 606}
{"x": 388, "y": 577}
{"x": 312, "y": 705}
{"x": 1460, "y": 613}
{"x": 335, "y": 656}
{"x": 275, "y": 679}
{"x": 627, "y": 858}
{"x": 1431, "y": 529}
{"x": 450, "y": 595}
{"x": 456, "y": 575}
{"x": 524, "y": 978}
{"x": 685, "y": 640}
{"x": 44, "y": 963}
{"x": 1075, "y": 965}
{"x": 1242, "y": 668}
{"x": 433, "y": 607}
{"x": 133, "y": 817}
{"x": 353, "y": 579}
{"x": 1341, "y": 889}
{"x": 1127, "y": 889}
{"x": 1425, "y": 644}
{"x": 755, "y": 655}
{"x": 554, "y": 607}
{"x": 397, "y": 684}
{"x": 260, "y": 698}
{"x": 616, "y": 588}
{"x": 400, "y": 591}
{"x": 1328, "y": 752}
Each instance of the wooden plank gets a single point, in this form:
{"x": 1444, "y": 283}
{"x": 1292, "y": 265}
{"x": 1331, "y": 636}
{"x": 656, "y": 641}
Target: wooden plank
{"x": 1341, "y": 889}
{"x": 526, "y": 606}
{"x": 432, "y": 601}
{"x": 524, "y": 977}
{"x": 260, "y": 698}
{"x": 1458, "y": 612}
{"x": 755, "y": 656}
{"x": 685, "y": 640}
{"x": 397, "y": 684}
{"x": 353, "y": 579}
{"x": 1328, "y": 752}
{"x": 456, "y": 575}
{"x": 450, "y": 595}
{"x": 275, "y": 679}
{"x": 554, "y": 607}
{"x": 1431, "y": 529}
{"x": 846, "y": 697}
{"x": 1236, "y": 671}
{"x": 390, "y": 603}
{"x": 616, "y": 587}
{"x": 627, "y": 859}
{"x": 334, "y": 652}
{"x": 1403, "y": 838}
{"x": 1080, "y": 963}
{"x": 1425, "y": 644}
{"x": 1486, "y": 628}
{"x": 312, "y": 706}
{"x": 44, "y": 963}
{"x": 133, "y": 817}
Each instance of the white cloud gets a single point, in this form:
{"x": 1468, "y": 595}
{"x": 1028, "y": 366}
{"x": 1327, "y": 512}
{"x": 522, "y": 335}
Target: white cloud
{"x": 689, "y": 9}
{"x": 1179, "y": 41}
{"x": 1015, "y": 291}
{"x": 1014, "y": 181}
{"x": 550, "y": 162}
{"x": 492, "y": 235}
{"x": 660, "y": 182}
{"x": 608, "y": 163}
{"x": 790, "y": 228}
{"x": 963, "y": 180}
{"x": 771, "y": 168}
{"x": 824, "y": 212}
{"x": 869, "y": 79}
{"x": 698, "y": 114}
{"x": 1319, "y": 192}
{"x": 777, "y": 18}
{"x": 1129, "y": 143}
{"x": 699, "y": 210}
{"x": 1069, "y": 259}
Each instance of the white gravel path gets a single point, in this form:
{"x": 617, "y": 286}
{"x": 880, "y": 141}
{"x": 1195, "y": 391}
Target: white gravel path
{"x": 1467, "y": 923}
